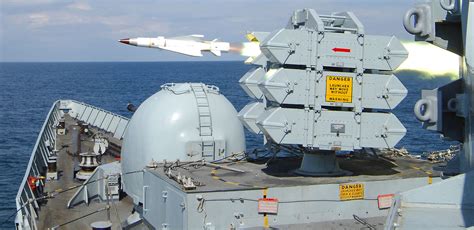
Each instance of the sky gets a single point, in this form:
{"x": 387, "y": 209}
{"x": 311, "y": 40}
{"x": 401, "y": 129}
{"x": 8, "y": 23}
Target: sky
{"x": 87, "y": 31}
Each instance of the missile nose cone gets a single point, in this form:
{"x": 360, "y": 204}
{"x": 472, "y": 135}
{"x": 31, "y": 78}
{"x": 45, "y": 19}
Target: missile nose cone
{"x": 125, "y": 41}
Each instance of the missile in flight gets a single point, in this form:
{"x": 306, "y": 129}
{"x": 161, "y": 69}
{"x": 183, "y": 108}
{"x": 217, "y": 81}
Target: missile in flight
{"x": 192, "y": 45}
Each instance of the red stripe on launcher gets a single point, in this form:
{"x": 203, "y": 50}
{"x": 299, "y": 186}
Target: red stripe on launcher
{"x": 343, "y": 50}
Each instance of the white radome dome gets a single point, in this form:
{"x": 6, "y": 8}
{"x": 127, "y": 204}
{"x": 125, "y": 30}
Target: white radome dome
{"x": 170, "y": 125}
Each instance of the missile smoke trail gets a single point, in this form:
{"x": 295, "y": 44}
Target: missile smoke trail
{"x": 430, "y": 61}
{"x": 246, "y": 49}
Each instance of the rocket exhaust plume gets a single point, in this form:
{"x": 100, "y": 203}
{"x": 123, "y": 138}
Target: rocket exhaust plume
{"x": 235, "y": 47}
{"x": 250, "y": 49}
{"x": 246, "y": 49}
{"x": 431, "y": 61}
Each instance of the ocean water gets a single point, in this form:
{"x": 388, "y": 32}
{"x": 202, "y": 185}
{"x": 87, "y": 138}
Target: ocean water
{"x": 27, "y": 91}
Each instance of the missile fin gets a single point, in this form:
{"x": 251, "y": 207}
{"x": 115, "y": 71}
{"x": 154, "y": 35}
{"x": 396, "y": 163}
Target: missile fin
{"x": 216, "y": 52}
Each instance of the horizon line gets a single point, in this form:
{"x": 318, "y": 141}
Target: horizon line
{"x": 19, "y": 62}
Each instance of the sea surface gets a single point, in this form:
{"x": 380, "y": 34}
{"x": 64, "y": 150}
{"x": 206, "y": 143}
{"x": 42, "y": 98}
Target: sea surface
{"x": 27, "y": 91}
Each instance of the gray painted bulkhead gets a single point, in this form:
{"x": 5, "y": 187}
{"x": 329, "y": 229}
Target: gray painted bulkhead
{"x": 166, "y": 205}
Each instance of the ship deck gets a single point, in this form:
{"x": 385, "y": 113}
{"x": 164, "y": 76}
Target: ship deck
{"x": 54, "y": 211}
{"x": 259, "y": 174}
{"x": 280, "y": 173}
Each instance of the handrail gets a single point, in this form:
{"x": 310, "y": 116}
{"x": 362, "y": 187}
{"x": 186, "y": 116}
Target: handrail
{"x": 102, "y": 119}
{"x": 24, "y": 212}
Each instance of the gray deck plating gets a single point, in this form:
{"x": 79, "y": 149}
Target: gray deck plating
{"x": 280, "y": 173}
{"x": 257, "y": 175}
{"x": 55, "y": 211}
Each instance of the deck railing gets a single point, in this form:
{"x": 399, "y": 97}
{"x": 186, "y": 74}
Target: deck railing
{"x": 27, "y": 199}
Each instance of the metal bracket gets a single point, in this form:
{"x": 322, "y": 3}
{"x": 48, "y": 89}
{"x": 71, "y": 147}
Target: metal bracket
{"x": 443, "y": 110}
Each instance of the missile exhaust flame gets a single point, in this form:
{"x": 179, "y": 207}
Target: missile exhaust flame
{"x": 246, "y": 49}
{"x": 250, "y": 49}
{"x": 235, "y": 47}
{"x": 431, "y": 61}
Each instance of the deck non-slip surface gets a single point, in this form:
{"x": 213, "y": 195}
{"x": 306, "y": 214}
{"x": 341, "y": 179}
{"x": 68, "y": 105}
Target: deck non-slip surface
{"x": 55, "y": 211}
{"x": 280, "y": 173}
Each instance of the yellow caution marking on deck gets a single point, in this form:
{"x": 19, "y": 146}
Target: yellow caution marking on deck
{"x": 420, "y": 169}
{"x": 232, "y": 183}
{"x": 215, "y": 177}
{"x": 430, "y": 174}
{"x": 417, "y": 168}
{"x": 265, "y": 217}
{"x": 265, "y": 221}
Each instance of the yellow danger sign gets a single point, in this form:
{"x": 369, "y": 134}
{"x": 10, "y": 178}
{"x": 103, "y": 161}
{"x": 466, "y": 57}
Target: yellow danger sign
{"x": 351, "y": 191}
{"x": 339, "y": 89}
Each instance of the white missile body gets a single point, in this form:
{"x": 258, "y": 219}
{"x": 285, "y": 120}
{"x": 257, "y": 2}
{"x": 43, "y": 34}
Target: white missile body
{"x": 191, "y": 45}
